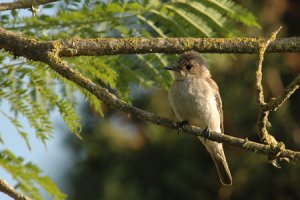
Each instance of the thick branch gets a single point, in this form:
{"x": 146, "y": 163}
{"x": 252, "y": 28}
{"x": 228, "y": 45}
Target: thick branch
{"x": 112, "y": 46}
{"x": 20, "y": 45}
{"x": 23, "y": 4}
{"x": 10, "y": 191}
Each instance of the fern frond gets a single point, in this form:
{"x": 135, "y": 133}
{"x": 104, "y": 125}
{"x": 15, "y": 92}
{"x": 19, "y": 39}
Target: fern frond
{"x": 18, "y": 95}
{"x": 93, "y": 101}
{"x": 154, "y": 73}
{"x": 135, "y": 73}
{"x": 43, "y": 119}
{"x": 209, "y": 15}
{"x": 69, "y": 116}
{"x": 233, "y": 10}
{"x": 36, "y": 116}
{"x": 173, "y": 29}
{"x": 96, "y": 69}
{"x": 151, "y": 24}
{"x": 192, "y": 20}
{"x": 18, "y": 126}
{"x": 65, "y": 107}
{"x": 42, "y": 92}
{"x": 66, "y": 104}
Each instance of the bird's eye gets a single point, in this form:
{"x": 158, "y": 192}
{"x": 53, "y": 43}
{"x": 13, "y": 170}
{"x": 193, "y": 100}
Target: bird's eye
{"x": 188, "y": 66}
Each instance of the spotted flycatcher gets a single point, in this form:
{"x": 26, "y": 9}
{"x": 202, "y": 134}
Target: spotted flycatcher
{"x": 195, "y": 98}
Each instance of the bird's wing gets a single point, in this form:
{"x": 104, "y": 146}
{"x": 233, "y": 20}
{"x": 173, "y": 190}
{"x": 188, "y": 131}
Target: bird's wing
{"x": 218, "y": 99}
{"x": 219, "y": 106}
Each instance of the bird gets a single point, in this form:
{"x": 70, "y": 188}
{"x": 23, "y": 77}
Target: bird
{"x": 195, "y": 99}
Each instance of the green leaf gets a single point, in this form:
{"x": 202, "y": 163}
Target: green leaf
{"x": 69, "y": 115}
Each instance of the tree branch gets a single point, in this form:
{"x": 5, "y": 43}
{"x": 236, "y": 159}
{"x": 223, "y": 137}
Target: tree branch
{"x": 23, "y": 4}
{"x": 263, "y": 114}
{"x": 21, "y": 45}
{"x": 274, "y": 103}
{"x": 10, "y": 191}
{"x": 50, "y": 53}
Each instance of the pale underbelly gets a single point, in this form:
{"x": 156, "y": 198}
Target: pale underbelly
{"x": 198, "y": 109}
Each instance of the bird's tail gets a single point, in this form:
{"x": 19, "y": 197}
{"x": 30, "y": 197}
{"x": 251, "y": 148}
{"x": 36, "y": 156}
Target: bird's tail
{"x": 217, "y": 153}
{"x": 222, "y": 166}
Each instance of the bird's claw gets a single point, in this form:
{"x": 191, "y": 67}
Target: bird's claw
{"x": 206, "y": 133}
{"x": 180, "y": 125}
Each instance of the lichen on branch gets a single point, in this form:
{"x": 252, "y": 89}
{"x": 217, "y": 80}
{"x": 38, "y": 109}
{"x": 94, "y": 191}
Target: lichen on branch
{"x": 263, "y": 115}
{"x": 21, "y": 45}
{"x": 273, "y": 104}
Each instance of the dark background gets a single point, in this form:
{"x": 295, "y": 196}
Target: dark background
{"x": 121, "y": 157}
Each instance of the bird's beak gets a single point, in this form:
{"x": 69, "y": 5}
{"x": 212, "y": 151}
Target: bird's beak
{"x": 173, "y": 68}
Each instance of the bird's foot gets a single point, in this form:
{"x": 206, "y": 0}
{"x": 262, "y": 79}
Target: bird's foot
{"x": 181, "y": 124}
{"x": 206, "y": 133}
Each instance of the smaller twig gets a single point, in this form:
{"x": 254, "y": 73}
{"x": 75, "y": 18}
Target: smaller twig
{"x": 275, "y": 103}
{"x": 23, "y": 4}
{"x": 263, "y": 44}
{"x": 263, "y": 114}
{"x": 258, "y": 78}
{"x": 12, "y": 192}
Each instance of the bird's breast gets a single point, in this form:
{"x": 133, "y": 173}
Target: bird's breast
{"x": 192, "y": 100}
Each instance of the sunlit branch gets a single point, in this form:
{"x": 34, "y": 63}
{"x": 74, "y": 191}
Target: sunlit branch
{"x": 33, "y": 48}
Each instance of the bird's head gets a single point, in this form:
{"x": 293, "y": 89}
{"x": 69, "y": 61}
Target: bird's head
{"x": 190, "y": 65}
